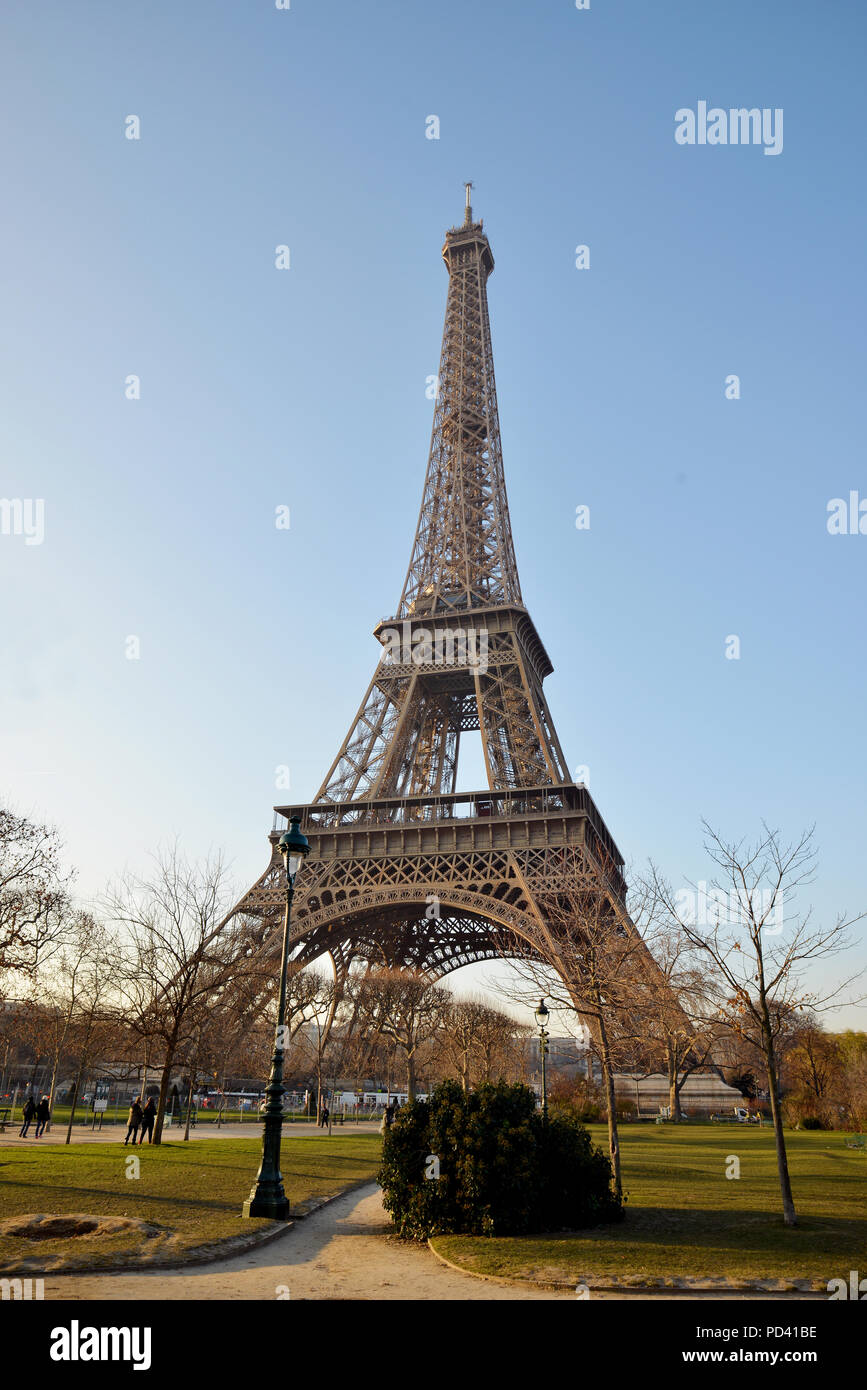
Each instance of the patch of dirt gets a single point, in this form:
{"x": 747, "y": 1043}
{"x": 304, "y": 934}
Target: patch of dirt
{"x": 44, "y": 1227}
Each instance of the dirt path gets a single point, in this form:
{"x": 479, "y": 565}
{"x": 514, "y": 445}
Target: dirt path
{"x": 340, "y": 1252}
{"x": 113, "y": 1134}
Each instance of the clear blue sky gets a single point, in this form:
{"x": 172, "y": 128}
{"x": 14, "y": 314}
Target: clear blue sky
{"x": 306, "y": 387}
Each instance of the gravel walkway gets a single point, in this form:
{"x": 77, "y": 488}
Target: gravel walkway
{"x": 340, "y": 1252}
{"x": 113, "y": 1134}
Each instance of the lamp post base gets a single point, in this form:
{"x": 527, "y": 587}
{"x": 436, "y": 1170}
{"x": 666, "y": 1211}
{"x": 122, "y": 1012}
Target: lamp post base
{"x": 267, "y": 1205}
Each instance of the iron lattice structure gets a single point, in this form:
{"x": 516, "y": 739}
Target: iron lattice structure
{"x": 403, "y": 869}
{"x": 462, "y": 582}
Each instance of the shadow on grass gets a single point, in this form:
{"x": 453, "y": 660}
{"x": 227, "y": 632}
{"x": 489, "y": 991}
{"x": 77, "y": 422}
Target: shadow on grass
{"x": 712, "y": 1229}
{"x": 123, "y": 1195}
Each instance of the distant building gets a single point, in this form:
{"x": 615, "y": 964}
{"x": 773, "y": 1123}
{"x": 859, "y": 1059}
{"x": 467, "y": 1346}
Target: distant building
{"x": 566, "y": 1056}
{"x": 702, "y": 1094}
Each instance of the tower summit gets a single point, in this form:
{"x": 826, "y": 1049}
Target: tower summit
{"x": 463, "y": 555}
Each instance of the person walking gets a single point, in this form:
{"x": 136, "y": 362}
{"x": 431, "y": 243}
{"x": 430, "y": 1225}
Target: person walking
{"x": 133, "y": 1122}
{"x": 43, "y": 1115}
{"x": 148, "y": 1115}
{"x": 28, "y": 1115}
{"x": 323, "y": 1118}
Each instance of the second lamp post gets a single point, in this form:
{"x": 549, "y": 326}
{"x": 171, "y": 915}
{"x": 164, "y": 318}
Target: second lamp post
{"x": 542, "y": 1019}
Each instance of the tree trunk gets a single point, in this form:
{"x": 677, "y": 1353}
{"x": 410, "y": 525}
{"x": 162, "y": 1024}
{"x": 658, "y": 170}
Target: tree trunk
{"x": 189, "y": 1108}
{"x": 673, "y": 1090}
{"x": 164, "y": 1086}
{"x": 613, "y": 1138}
{"x": 85, "y": 1048}
{"x": 789, "y": 1216}
{"x": 58, "y": 1053}
{"x": 678, "y": 1087}
{"x": 76, "y": 1085}
{"x": 144, "y": 1081}
{"x": 410, "y": 1077}
{"x": 51, "y": 1088}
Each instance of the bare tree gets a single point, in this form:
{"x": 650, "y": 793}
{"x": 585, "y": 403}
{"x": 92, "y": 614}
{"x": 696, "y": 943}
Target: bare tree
{"x": 176, "y": 966}
{"x": 34, "y": 892}
{"x": 588, "y": 959}
{"x": 33, "y": 1032}
{"x": 70, "y": 977}
{"x": 498, "y": 1039}
{"x": 680, "y": 1033}
{"x": 457, "y": 1035}
{"x": 471, "y": 1031}
{"x": 93, "y": 1023}
{"x": 317, "y": 1000}
{"x": 757, "y": 947}
{"x": 401, "y": 1005}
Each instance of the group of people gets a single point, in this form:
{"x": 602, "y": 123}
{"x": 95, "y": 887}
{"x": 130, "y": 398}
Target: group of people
{"x": 41, "y": 1113}
{"x": 141, "y": 1118}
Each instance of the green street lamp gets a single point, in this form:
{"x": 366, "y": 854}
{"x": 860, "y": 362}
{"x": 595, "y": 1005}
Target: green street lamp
{"x": 267, "y": 1198}
{"x": 542, "y": 1016}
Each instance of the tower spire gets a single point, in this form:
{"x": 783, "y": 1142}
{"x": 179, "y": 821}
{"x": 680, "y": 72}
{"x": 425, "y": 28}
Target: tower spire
{"x": 468, "y": 214}
{"x": 463, "y": 554}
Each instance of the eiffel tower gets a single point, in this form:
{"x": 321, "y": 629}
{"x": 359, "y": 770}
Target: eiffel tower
{"x": 404, "y": 869}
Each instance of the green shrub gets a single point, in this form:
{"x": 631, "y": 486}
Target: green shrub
{"x": 575, "y": 1189}
{"x": 811, "y": 1122}
{"x": 502, "y": 1171}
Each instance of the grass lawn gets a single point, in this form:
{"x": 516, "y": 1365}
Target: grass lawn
{"x": 685, "y": 1219}
{"x": 191, "y": 1192}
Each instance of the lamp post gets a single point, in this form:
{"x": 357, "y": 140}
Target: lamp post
{"x": 542, "y": 1019}
{"x": 267, "y": 1198}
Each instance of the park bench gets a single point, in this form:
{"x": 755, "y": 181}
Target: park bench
{"x": 179, "y": 1120}
{"x": 856, "y": 1141}
{"x": 5, "y": 1112}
